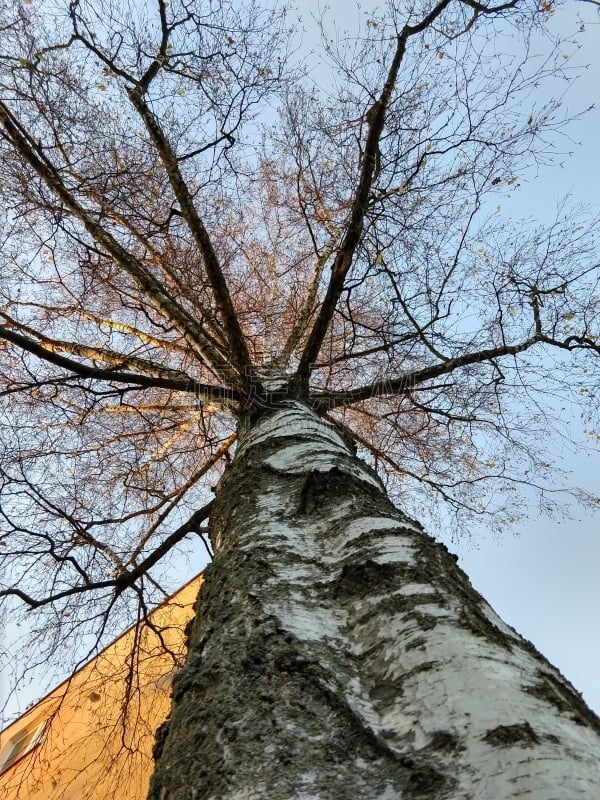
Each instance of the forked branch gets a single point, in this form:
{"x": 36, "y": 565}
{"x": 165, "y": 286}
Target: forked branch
{"x": 200, "y": 341}
{"x": 368, "y": 175}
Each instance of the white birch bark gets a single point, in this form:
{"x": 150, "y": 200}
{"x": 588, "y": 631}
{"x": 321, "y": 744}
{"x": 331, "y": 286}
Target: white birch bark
{"x": 339, "y": 652}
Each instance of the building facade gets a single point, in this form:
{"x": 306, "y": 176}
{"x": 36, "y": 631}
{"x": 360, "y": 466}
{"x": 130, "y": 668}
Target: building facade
{"x": 92, "y": 737}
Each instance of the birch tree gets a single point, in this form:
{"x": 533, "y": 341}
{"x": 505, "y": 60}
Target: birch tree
{"x": 224, "y": 274}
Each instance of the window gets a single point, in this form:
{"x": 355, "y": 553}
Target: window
{"x": 21, "y": 743}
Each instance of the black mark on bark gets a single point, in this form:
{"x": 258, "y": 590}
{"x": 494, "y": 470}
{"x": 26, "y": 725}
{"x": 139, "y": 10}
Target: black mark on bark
{"x": 368, "y": 578}
{"x": 506, "y": 735}
{"x": 420, "y": 642}
{"x": 311, "y": 493}
{"x": 159, "y": 738}
{"x": 424, "y": 782}
{"x": 445, "y": 742}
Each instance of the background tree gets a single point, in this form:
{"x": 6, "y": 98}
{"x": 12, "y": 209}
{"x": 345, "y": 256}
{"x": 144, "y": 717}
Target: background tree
{"x": 195, "y": 235}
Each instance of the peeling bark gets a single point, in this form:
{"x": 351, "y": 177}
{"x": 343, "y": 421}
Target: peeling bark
{"x": 339, "y": 652}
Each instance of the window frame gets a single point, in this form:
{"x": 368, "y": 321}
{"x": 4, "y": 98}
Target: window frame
{"x": 22, "y": 742}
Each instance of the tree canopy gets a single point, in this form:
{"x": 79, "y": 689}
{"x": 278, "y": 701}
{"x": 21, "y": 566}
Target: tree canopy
{"x": 197, "y": 221}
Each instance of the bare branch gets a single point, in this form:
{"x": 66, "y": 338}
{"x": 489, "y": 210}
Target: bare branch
{"x": 235, "y": 336}
{"x": 155, "y": 292}
{"x": 217, "y": 395}
{"x": 360, "y": 201}
{"x": 407, "y": 383}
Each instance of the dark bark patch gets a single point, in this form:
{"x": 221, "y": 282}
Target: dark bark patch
{"x": 420, "y": 642}
{"x": 187, "y": 632}
{"x": 435, "y": 561}
{"x": 507, "y": 735}
{"x": 424, "y": 782}
{"x": 427, "y": 622}
{"x": 386, "y": 692}
{"x": 564, "y": 698}
{"x": 426, "y": 666}
{"x": 359, "y": 580}
{"x": 159, "y": 738}
{"x": 321, "y": 489}
{"x": 387, "y": 604}
{"x": 445, "y": 742}
{"x": 473, "y": 618}
{"x": 311, "y": 493}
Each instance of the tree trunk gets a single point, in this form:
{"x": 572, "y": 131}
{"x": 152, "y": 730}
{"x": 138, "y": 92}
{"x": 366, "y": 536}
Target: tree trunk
{"x": 339, "y": 653}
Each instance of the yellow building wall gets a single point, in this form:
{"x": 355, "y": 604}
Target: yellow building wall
{"x": 100, "y": 724}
